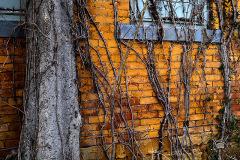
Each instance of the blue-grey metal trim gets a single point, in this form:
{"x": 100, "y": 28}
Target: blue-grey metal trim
{"x": 127, "y": 31}
{"x": 11, "y": 29}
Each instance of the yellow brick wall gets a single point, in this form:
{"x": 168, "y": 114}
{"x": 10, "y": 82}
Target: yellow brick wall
{"x": 12, "y": 67}
{"x": 147, "y": 113}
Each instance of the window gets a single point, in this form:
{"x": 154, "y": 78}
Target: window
{"x": 181, "y": 10}
{"x": 11, "y": 12}
{"x": 190, "y": 17}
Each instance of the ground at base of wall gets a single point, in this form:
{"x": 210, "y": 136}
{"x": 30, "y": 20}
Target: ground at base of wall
{"x": 149, "y": 148}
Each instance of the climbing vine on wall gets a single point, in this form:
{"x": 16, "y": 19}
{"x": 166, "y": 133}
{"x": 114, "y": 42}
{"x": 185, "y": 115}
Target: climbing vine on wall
{"x": 114, "y": 91}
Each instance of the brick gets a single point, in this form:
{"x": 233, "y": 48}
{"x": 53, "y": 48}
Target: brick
{"x": 9, "y": 135}
{"x": 218, "y": 84}
{"x": 5, "y": 152}
{"x": 150, "y": 121}
{"x": 94, "y": 43}
{"x": 196, "y": 117}
{"x": 92, "y": 96}
{"x": 14, "y": 126}
{"x": 19, "y": 101}
{"x": 100, "y": 18}
{"x": 142, "y": 128}
{"x": 148, "y": 100}
{"x": 6, "y": 84}
{"x": 146, "y": 86}
{"x": 90, "y": 127}
{"x": 6, "y": 93}
{"x": 9, "y": 118}
{"x": 12, "y": 143}
{"x": 215, "y": 71}
{"x": 126, "y": 116}
{"x": 161, "y": 113}
{"x": 235, "y": 108}
{"x": 136, "y": 123}
{"x": 132, "y": 87}
{"x": 155, "y": 107}
{"x": 173, "y": 99}
{"x": 7, "y": 110}
{"x": 176, "y": 65}
{"x": 213, "y": 64}
{"x": 19, "y": 59}
{"x": 19, "y": 76}
{"x": 213, "y": 77}
{"x": 142, "y": 72}
{"x": 89, "y": 112}
{"x": 11, "y": 102}
{"x": 135, "y": 65}
{"x": 88, "y": 142}
{"x": 6, "y": 76}
{"x": 161, "y": 65}
{"x": 139, "y": 108}
{"x": 1, "y": 144}
{"x": 19, "y": 93}
{"x": 19, "y": 84}
{"x": 6, "y": 67}
{"x": 5, "y": 59}
{"x": 107, "y": 4}
{"x": 97, "y": 11}
{"x": 132, "y": 101}
{"x": 143, "y": 94}
{"x": 97, "y": 119}
{"x": 123, "y": 6}
{"x": 153, "y": 134}
{"x": 143, "y": 115}
{"x": 155, "y": 127}
{"x": 123, "y": 13}
{"x": 110, "y": 13}
{"x": 4, "y": 127}
{"x": 110, "y": 20}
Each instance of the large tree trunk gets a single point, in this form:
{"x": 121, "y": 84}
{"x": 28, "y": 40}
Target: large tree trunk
{"x": 51, "y": 128}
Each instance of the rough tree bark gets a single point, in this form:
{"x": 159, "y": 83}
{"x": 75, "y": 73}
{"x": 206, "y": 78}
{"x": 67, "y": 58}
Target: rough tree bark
{"x": 51, "y": 128}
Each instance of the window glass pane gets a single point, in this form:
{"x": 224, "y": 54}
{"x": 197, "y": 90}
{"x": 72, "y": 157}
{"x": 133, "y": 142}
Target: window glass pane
{"x": 11, "y": 10}
{"x": 147, "y": 15}
{"x": 10, "y": 4}
{"x": 179, "y": 8}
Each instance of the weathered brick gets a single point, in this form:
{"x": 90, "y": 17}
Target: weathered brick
{"x": 4, "y": 127}
{"x": 7, "y": 110}
{"x": 139, "y": 108}
{"x": 143, "y": 115}
{"x": 97, "y": 119}
{"x": 6, "y": 76}
{"x": 12, "y": 143}
{"x": 153, "y": 134}
{"x": 5, "y": 59}
{"x": 88, "y": 142}
{"x": 148, "y": 100}
{"x": 9, "y": 118}
{"x": 154, "y": 107}
{"x": 150, "y": 121}
{"x": 123, "y": 6}
{"x": 9, "y": 135}
{"x": 14, "y": 126}
{"x": 19, "y": 76}
{"x": 196, "y": 117}
{"x": 1, "y": 144}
